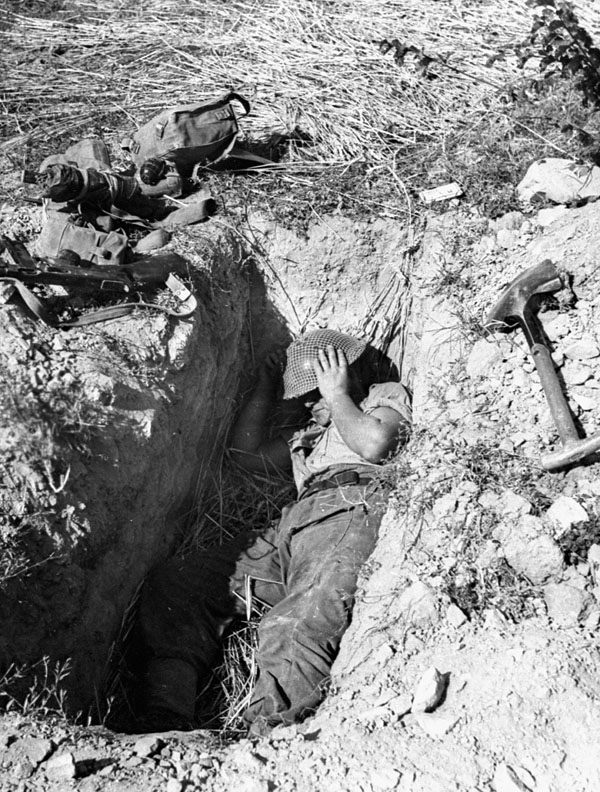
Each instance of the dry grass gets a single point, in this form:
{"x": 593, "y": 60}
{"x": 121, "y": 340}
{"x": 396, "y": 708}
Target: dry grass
{"x": 323, "y": 93}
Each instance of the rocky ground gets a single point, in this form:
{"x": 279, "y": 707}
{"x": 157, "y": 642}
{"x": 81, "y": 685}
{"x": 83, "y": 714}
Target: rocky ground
{"x": 472, "y": 662}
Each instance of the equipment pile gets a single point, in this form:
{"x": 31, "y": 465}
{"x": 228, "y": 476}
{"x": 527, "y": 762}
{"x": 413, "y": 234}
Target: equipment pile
{"x": 93, "y": 213}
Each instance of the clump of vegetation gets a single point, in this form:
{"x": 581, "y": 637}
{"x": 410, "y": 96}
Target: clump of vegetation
{"x": 36, "y": 688}
{"x": 563, "y": 48}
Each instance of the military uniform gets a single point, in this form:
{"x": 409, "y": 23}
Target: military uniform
{"x": 305, "y": 567}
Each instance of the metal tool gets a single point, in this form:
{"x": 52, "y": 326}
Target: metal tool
{"x": 517, "y": 308}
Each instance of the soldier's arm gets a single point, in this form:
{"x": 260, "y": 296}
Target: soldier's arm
{"x": 250, "y": 446}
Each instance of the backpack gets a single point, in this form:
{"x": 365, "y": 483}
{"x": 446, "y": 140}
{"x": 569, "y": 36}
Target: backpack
{"x": 65, "y": 231}
{"x": 188, "y": 135}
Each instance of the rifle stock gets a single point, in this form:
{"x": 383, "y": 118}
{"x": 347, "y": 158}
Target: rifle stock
{"x": 141, "y": 275}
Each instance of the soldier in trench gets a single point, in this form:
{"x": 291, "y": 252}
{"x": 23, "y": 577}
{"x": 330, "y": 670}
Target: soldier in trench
{"x": 306, "y": 566}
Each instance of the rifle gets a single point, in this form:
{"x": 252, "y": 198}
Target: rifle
{"x": 20, "y": 268}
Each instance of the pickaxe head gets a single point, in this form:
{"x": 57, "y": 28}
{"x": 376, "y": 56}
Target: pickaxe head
{"x": 513, "y": 307}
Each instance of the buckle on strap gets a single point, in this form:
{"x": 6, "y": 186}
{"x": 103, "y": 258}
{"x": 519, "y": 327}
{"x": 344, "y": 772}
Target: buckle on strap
{"x": 344, "y": 478}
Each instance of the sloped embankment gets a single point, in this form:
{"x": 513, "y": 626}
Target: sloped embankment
{"x": 112, "y": 433}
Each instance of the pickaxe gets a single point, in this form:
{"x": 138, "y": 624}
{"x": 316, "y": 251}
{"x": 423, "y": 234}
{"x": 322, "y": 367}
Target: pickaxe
{"x": 517, "y": 307}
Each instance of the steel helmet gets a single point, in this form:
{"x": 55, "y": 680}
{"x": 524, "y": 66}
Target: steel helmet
{"x": 299, "y": 377}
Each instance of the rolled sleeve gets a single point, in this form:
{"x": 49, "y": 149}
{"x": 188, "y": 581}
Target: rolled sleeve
{"x": 389, "y": 394}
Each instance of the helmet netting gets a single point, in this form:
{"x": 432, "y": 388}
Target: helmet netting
{"x": 299, "y": 377}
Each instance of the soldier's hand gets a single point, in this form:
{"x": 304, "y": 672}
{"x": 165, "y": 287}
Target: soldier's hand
{"x": 331, "y": 369}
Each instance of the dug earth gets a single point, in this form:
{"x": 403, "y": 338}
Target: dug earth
{"x": 472, "y": 660}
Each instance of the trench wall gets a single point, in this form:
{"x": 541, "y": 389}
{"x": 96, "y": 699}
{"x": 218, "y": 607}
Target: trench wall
{"x": 165, "y": 392}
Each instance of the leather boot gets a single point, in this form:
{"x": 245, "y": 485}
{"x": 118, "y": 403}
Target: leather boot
{"x": 170, "y": 695}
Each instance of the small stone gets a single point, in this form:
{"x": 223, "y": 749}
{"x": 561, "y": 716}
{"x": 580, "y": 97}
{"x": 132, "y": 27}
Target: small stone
{"x": 61, "y": 766}
{"x": 434, "y": 724}
{"x": 494, "y": 620}
{"x": 400, "y": 705}
{"x": 528, "y": 549}
{"x": 576, "y": 374}
{"x": 565, "y": 603}
{"x": 593, "y": 558}
{"x": 585, "y": 398}
{"x": 507, "y": 238}
{"x": 512, "y": 503}
{"x": 511, "y": 220}
{"x": 546, "y": 217}
{"x": 34, "y": 749}
{"x": 506, "y": 780}
{"x": 146, "y": 746}
{"x": 455, "y": 616}
{"x": 418, "y": 604}
{"x": 592, "y": 622}
{"x": 566, "y": 512}
{"x": 583, "y": 350}
{"x": 173, "y": 785}
{"x": 384, "y": 778}
{"x": 133, "y": 761}
{"x": 429, "y": 690}
{"x": 483, "y": 357}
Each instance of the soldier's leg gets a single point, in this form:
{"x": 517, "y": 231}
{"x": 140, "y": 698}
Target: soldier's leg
{"x": 299, "y": 638}
{"x": 185, "y": 607}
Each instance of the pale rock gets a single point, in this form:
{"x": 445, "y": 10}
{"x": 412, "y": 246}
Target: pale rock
{"x": 558, "y": 326}
{"x": 574, "y": 578}
{"x": 511, "y": 221}
{"x": 385, "y": 777}
{"x": 444, "y": 505}
{"x": 521, "y": 381}
{"x": 545, "y": 217}
{"x": 585, "y": 398}
{"x": 559, "y": 180}
{"x": 148, "y": 745}
{"x": 453, "y": 393}
{"x": 429, "y": 690}
{"x": 418, "y": 604}
{"x": 488, "y": 555}
{"x": 173, "y": 785}
{"x": 487, "y": 244}
{"x": 506, "y": 445}
{"x": 511, "y": 503}
{"x": 435, "y": 724}
{"x": 33, "y": 749}
{"x": 558, "y": 357}
{"x": 488, "y": 499}
{"x": 400, "y": 705}
{"x": 566, "y": 512}
{"x": 494, "y": 620}
{"x": 565, "y": 603}
{"x": 455, "y": 616}
{"x": 507, "y": 238}
{"x": 529, "y": 550}
{"x": 482, "y": 358}
{"x": 593, "y": 559}
{"x": 507, "y": 780}
{"x": 583, "y": 569}
{"x": 61, "y": 766}
{"x": 585, "y": 349}
{"x": 576, "y": 374}
{"x": 592, "y": 622}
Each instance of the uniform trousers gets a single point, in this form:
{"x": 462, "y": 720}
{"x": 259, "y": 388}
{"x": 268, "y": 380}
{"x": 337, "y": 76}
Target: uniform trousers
{"x": 305, "y": 568}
